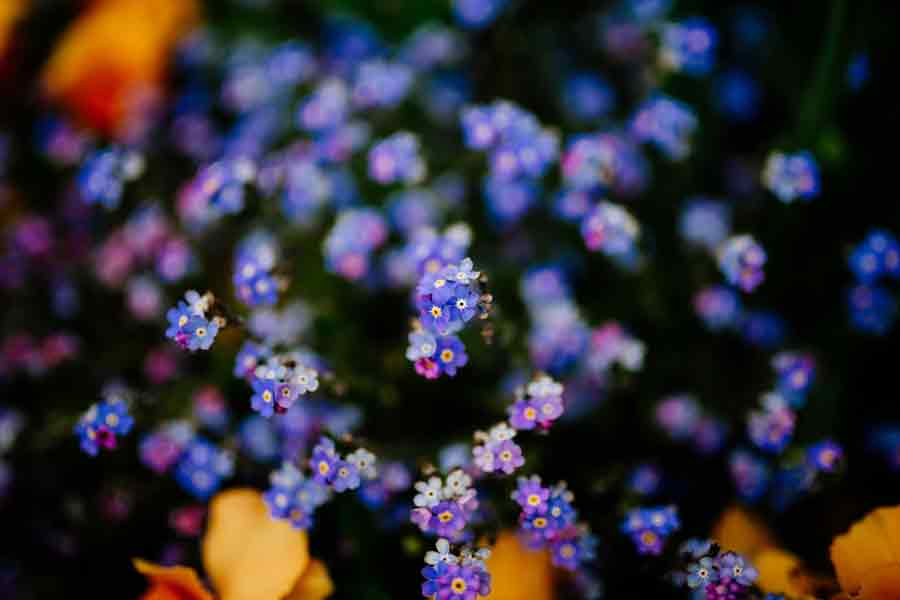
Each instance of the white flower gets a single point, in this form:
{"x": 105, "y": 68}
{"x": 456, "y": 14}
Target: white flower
{"x": 429, "y": 492}
{"x": 484, "y": 458}
{"x": 197, "y": 303}
{"x": 365, "y": 463}
{"x": 306, "y": 379}
{"x": 545, "y": 387}
{"x": 502, "y": 432}
{"x": 457, "y": 484}
{"x": 442, "y": 554}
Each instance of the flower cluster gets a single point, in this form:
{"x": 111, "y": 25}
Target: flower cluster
{"x": 446, "y": 300}
{"x": 649, "y": 528}
{"x": 792, "y": 176}
{"x": 103, "y": 422}
{"x": 689, "y": 46}
{"x": 721, "y": 575}
{"x": 518, "y": 145}
{"x": 683, "y": 419}
{"x": 194, "y": 322}
{"x": 873, "y": 309}
{"x": 450, "y": 576}
{"x": 397, "y": 158}
{"x": 279, "y": 381}
{"x": 610, "y": 229}
{"x": 254, "y": 262}
{"x": 548, "y": 519}
{"x": 357, "y": 232}
{"x": 104, "y": 174}
{"x": 538, "y": 405}
{"x": 666, "y": 123}
{"x": 294, "y": 497}
{"x": 496, "y": 450}
{"x": 445, "y": 506}
{"x": 341, "y": 474}
{"x": 741, "y": 260}
{"x": 202, "y": 467}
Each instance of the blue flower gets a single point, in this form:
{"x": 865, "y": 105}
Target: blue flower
{"x": 347, "y": 476}
{"x": 450, "y": 354}
{"x": 178, "y": 318}
{"x": 732, "y": 566}
{"x": 202, "y": 468}
{"x": 201, "y": 333}
{"x": 464, "y": 304}
{"x": 263, "y": 399}
{"x": 702, "y": 572}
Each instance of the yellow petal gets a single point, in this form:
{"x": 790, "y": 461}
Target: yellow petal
{"x": 518, "y": 573}
{"x": 867, "y": 546}
{"x": 742, "y": 532}
{"x": 782, "y": 573}
{"x": 171, "y": 583}
{"x": 867, "y": 554}
{"x": 247, "y": 554}
{"x": 314, "y": 584}
{"x": 881, "y": 584}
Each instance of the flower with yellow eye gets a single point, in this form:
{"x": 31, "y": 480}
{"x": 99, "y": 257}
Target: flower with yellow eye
{"x": 450, "y": 354}
{"x": 102, "y": 422}
{"x": 324, "y": 461}
{"x": 447, "y": 519}
{"x": 201, "y": 333}
{"x": 263, "y": 399}
{"x": 531, "y": 495}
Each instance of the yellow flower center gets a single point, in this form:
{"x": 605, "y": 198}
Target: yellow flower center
{"x": 505, "y": 455}
{"x": 267, "y": 396}
{"x": 201, "y": 332}
{"x": 567, "y": 551}
{"x": 182, "y": 320}
{"x": 436, "y": 311}
{"x": 445, "y": 517}
{"x": 447, "y": 355}
{"x": 648, "y": 538}
{"x": 540, "y": 522}
{"x": 458, "y": 585}
{"x": 286, "y": 392}
{"x": 530, "y": 413}
{"x": 343, "y": 472}
{"x": 324, "y": 468}
{"x": 534, "y": 500}
{"x": 439, "y": 283}
{"x": 112, "y": 420}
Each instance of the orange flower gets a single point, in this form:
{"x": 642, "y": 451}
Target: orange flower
{"x": 247, "y": 554}
{"x": 867, "y": 558}
{"x": 115, "y": 55}
{"x": 10, "y": 12}
{"x": 518, "y": 573}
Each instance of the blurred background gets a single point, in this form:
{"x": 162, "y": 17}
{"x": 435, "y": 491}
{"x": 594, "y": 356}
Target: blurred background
{"x": 820, "y": 73}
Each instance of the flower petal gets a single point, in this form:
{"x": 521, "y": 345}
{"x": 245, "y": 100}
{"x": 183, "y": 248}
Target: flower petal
{"x": 314, "y": 584}
{"x": 518, "y": 573}
{"x": 171, "y": 583}
{"x": 869, "y": 553}
{"x": 742, "y": 532}
{"x": 248, "y": 555}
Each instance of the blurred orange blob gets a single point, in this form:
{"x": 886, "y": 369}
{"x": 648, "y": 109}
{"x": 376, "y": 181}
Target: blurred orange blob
{"x": 113, "y": 58}
{"x": 867, "y": 558}
{"x": 247, "y": 555}
{"x": 10, "y": 12}
{"x": 518, "y": 573}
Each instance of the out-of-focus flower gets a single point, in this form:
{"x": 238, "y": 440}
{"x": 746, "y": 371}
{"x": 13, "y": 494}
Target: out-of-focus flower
{"x": 247, "y": 555}
{"x": 10, "y": 13}
{"x": 867, "y": 557}
{"x": 113, "y": 58}
{"x": 518, "y": 573}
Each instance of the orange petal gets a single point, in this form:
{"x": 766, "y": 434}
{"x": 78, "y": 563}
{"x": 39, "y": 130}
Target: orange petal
{"x": 870, "y": 547}
{"x": 314, "y": 584}
{"x": 742, "y": 532}
{"x": 518, "y": 573}
{"x": 781, "y": 573}
{"x": 247, "y": 554}
{"x": 171, "y": 583}
{"x": 882, "y": 584}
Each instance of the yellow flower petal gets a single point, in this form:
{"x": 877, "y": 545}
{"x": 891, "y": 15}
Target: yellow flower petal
{"x": 782, "y": 573}
{"x": 171, "y": 583}
{"x": 518, "y": 573}
{"x": 314, "y": 584}
{"x": 247, "y": 554}
{"x": 742, "y": 532}
{"x": 867, "y": 557}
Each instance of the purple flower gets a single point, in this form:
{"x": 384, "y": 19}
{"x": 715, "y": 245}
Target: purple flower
{"x": 263, "y": 399}
{"x": 732, "y": 566}
{"x": 324, "y": 462}
{"x": 347, "y": 476}
{"x": 507, "y": 456}
{"x": 447, "y": 519}
{"x": 523, "y": 415}
{"x": 531, "y": 496}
